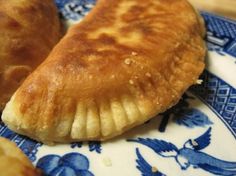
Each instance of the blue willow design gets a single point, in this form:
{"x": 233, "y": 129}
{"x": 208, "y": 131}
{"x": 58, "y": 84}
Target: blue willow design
{"x": 76, "y": 144}
{"x": 221, "y": 34}
{"x": 191, "y": 154}
{"x": 70, "y": 164}
{"x": 184, "y": 115}
{"x": 192, "y": 117}
{"x": 145, "y": 168}
{"x": 219, "y": 96}
{"x": 93, "y": 146}
{"x": 74, "y": 9}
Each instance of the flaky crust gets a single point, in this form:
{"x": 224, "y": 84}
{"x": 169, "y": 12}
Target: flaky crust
{"x": 13, "y": 162}
{"x": 124, "y": 63}
{"x": 28, "y": 31}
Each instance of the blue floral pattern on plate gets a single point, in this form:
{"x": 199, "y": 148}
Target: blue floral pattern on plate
{"x": 221, "y": 34}
{"x": 204, "y": 117}
{"x": 219, "y": 96}
{"x": 190, "y": 154}
{"x": 93, "y": 146}
{"x": 192, "y": 117}
{"x": 183, "y": 114}
{"x": 145, "y": 168}
{"x": 71, "y": 164}
{"x": 74, "y": 9}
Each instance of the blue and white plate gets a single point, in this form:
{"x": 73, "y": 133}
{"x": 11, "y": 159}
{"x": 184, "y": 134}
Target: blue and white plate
{"x": 196, "y": 138}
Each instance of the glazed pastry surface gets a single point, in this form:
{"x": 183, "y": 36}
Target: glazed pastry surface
{"x": 124, "y": 63}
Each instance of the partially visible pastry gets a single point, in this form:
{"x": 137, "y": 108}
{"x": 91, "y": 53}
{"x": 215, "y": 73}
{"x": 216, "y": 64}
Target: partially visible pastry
{"x": 13, "y": 162}
{"x": 28, "y": 31}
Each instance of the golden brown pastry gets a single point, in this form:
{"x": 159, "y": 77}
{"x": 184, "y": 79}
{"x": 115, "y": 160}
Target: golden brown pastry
{"x": 13, "y": 162}
{"x": 28, "y": 31}
{"x": 124, "y": 63}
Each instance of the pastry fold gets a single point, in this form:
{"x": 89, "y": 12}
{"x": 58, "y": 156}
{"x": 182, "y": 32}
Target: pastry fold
{"x": 124, "y": 63}
{"x": 28, "y": 31}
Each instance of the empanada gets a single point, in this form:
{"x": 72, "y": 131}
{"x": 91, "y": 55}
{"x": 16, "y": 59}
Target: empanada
{"x": 13, "y": 162}
{"x": 124, "y": 63}
{"x": 28, "y": 31}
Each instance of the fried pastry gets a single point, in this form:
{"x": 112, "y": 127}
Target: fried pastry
{"x": 28, "y": 31}
{"x": 124, "y": 63}
{"x": 13, "y": 162}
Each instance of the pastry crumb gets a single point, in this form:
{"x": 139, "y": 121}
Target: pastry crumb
{"x": 128, "y": 61}
{"x": 194, "y": 143}
{"x": 154, "y": 169}
{"x": 199, "y": 81}
{"x": 148, "y": 75}
{"x": 131, "y": 81}
{"x": 177, "y": 45}
{"x": 107, "y": 161}
{"x": 134, "y": 53}
{"x": 176, "y": 58}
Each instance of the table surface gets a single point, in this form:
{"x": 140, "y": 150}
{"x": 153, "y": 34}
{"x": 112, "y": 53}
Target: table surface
{"x": 221, "y": 7}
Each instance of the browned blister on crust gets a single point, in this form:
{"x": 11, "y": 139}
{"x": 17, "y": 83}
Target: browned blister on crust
{"x": 28, "y": 31}
{"x": 124, "y": 63}
{"x": 14, "y": 162}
